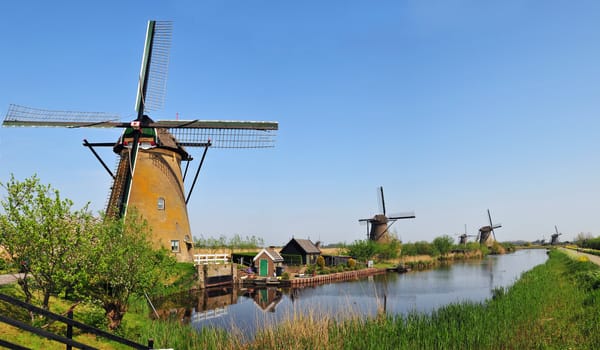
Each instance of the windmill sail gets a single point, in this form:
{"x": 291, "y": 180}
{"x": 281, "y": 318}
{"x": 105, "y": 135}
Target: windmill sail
{"x": 148, "y": 175}
{"x": 26, "y": 116}
{"x": 152, "y": 82}
{"x": 378, "y": 225}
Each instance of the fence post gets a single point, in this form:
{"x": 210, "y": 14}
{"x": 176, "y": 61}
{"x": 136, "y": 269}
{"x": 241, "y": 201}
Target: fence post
{"x": 70, "y": 328}
{"x": 150, "y": 343}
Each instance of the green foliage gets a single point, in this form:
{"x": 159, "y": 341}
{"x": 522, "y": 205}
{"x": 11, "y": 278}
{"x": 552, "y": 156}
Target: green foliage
{"x": 45, "y": 237}
{"x": 91, "y": 315}
{"x": 387, "y": 251}
{"x": 362, "y": 250}
{"x": 425, "y": 248}
{"x": 484, "y": 249}
{"x": 443, "y": 244}
{"x": 4, "y": 265}
{"x": 285, "y": 276}
{"x": 222, "y": 242}
{"x": 590, "y": 243}
{"x": 408, "y": 249}
{"x": 471, "y": 246}
{"x": 125, "y": 264}
{"x": 351, "y": 263}
{"x": 321, "y": 261}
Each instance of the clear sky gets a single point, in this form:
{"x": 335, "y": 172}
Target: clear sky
{"x": 453, "y": 106}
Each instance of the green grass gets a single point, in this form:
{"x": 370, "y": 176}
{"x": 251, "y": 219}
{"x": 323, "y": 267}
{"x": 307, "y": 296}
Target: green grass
{"x": 553, "y": 306}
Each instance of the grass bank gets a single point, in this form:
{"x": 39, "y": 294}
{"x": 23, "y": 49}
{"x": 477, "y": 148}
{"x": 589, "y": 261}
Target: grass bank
{"x": 555, "y": 305}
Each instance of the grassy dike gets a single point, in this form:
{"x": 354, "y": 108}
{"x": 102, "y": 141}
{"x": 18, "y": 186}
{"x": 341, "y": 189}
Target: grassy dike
{"x": 553, "y": 306}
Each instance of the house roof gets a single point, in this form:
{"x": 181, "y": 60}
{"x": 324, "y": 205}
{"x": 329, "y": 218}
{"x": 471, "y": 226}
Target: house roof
{"x": 271, "y": 253}
{"x": 306, "y": 245}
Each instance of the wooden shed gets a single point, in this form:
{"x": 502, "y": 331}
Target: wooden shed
{"x": 302, "y": 247}
{"x": 267, "y": 261}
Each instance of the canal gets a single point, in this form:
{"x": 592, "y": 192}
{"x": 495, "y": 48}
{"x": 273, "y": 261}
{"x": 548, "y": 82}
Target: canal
{"x": 249, "y": 309}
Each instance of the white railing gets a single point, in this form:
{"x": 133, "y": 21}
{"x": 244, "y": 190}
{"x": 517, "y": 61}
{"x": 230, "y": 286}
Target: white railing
{"x": 208, "y": 314}
{"x": 205, "y": 259}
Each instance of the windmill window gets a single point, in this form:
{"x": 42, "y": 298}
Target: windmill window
{"x": 161, "y": 203}
{"x": 175, "y": 246}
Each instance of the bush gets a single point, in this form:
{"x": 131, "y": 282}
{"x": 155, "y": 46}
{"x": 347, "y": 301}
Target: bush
{"x": 351, "y": 263}
{"x": 362, "y": 250}
{"x": 285, "y": 276}
{"x": 443, "y": 244}
{"x": 321, "y": 261}
{"x": 389, "y": 250}
{"x": 92, "y": 316}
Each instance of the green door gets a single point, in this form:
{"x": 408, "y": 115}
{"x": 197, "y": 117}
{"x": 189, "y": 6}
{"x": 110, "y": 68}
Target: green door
{"x": 264, "y": 267}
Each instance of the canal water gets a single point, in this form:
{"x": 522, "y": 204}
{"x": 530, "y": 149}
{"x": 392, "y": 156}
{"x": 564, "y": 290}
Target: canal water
{"x": 249, "y": 309}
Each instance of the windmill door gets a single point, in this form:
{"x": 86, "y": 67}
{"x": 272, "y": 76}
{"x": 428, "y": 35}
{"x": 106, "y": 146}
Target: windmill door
{"x": 264, "y": 267}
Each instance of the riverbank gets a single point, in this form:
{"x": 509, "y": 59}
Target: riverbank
{"x": 555, "y": 305}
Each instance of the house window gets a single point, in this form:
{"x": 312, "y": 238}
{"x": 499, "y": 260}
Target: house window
{"x": 175, "y": 246}
{"x": 161, "y": 203}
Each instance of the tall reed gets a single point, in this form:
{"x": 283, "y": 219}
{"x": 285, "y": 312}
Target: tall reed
{"x": 555, "y": 305}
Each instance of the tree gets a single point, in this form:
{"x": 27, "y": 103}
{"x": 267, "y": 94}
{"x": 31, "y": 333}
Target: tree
{"x": 124, "y": 264}
{"x": 443, "y": 244}
{"x": 389, "y": 250}
{"x": 44, "y": 237}
{"x": 362, "y": 250}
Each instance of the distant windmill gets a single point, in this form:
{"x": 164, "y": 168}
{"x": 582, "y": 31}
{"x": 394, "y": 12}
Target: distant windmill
{"x": 486, "y": 234}
{"x": 377, "y": 226}
{"x": 555, "y": 236}
{"x": 464, "y": 237}
{"x": 148, "y": 175}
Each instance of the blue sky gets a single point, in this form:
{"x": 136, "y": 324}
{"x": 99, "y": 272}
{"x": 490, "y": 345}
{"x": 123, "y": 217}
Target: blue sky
{"x": 453, "y": 106}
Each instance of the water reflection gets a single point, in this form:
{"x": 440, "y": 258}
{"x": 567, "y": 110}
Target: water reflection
{"x": 248, "y": 309}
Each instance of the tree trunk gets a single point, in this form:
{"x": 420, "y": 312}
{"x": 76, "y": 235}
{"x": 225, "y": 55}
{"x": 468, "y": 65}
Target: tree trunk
{"x": 25, "y": 287}
{"x": 46, "y": 301}
{"x": 115, "y": 311}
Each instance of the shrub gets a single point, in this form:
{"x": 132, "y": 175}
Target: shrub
{"x": 321, "y": 261}
{"x": 389, "y": 250}
{"x": 351, "y": 263}
{"x": 443, "y": 244}
{"x": 285, "y": 276}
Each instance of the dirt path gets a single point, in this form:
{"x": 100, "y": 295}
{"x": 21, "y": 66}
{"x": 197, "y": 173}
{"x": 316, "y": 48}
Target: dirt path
{"x": 9, "y": 278}
{"x": 593, "y": 258}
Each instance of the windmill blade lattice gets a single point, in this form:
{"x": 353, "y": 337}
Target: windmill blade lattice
{"x": 26, "y": 116}
{"x": 229, "y": 135}
{"x": 152, "y": 83}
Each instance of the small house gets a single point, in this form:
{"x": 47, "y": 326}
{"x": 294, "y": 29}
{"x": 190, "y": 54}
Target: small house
{"x": 268, "y": 262}
{"x": 303, "y": 248}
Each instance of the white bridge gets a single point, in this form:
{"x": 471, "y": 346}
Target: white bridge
{"x": 210, "y": 259}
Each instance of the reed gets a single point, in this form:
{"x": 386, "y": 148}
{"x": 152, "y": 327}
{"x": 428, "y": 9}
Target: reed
{"x": 555, "y": 305}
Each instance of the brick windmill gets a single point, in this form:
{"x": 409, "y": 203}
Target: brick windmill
{"x": 149, "y": 173}
{"x": 463, "y": 238}
{"x": 378, "y": 225}
{"x": 554, "y": 237}
{"x": 486, "y": 234}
